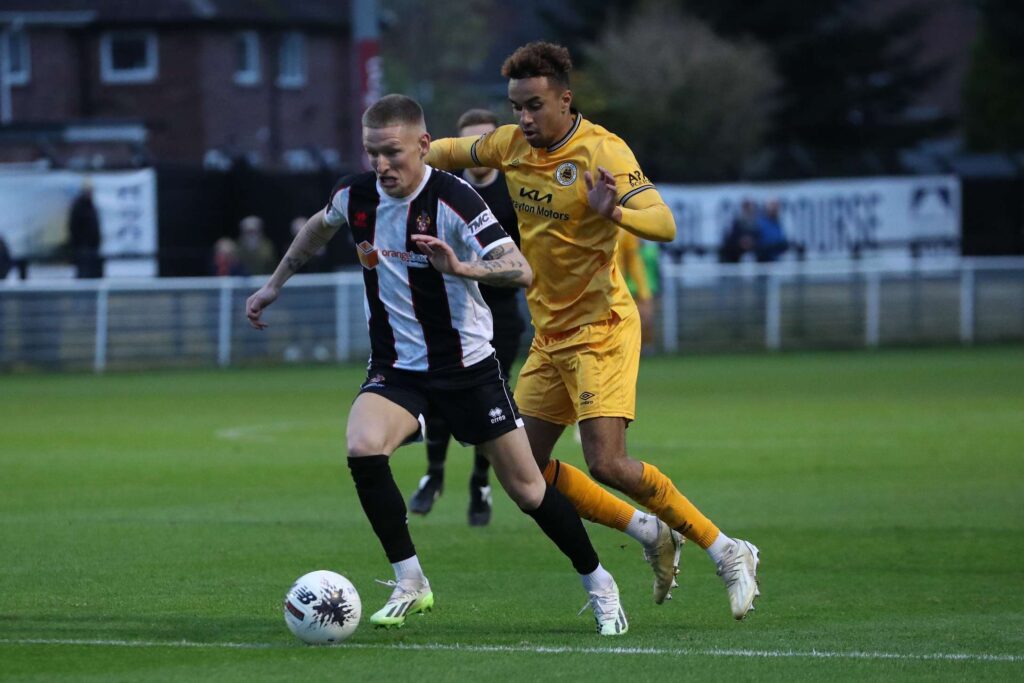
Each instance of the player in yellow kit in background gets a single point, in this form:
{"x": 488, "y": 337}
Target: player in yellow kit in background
{"x": 631, "y": 264}
{"x": 574, "y": 185}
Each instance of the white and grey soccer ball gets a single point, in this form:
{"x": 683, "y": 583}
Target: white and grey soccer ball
{"x": 322, "y": 608}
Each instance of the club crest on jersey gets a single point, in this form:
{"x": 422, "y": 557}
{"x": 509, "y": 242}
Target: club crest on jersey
{"x": 422, "y": 222}
{"x": 566, "y": 173}
{"x": 367, "y": 255}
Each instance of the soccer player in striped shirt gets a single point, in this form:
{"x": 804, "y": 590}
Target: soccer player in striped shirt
{"x": 425, "y": 240}
{"x": 574, "y": 185}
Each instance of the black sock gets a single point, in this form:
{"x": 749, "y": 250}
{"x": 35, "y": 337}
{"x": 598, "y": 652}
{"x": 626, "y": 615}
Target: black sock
{"x": 480, "y": 469}
{"x": 438, "y": 436}
{"x": 383, "y": 504}
{"x": 558, "y": 519}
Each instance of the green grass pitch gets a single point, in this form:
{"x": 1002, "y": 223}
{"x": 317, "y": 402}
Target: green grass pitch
{"x": 151, "y": 523}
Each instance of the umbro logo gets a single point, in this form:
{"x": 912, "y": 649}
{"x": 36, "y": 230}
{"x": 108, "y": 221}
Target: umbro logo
{"x": 496, "y": 414}
{"x": 586, "y": 398}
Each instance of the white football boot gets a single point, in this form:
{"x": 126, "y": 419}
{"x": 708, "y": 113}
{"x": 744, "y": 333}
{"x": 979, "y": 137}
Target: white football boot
{"x": 663, "y": 556}
{"x": 738, "y": 570}
{"x": 611, "y": 620}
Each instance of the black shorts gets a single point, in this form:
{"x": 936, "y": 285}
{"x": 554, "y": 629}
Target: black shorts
{"x": 475, "y": 401}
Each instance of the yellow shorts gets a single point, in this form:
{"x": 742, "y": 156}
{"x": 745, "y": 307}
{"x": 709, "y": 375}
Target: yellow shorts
{"x": 586, "y": 372}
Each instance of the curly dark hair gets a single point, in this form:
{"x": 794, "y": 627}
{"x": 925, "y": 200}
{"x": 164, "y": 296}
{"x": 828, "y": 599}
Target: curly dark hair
{"x": 539, "y": 59}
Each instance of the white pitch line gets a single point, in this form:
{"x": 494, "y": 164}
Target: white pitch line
{"x": 543, "y": 649}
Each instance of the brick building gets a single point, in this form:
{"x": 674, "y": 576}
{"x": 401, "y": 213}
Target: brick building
{"x": 109, "y": 83}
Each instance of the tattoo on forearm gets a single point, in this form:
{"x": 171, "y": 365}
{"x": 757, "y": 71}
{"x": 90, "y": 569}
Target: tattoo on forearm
{"x": 297, "y": 255}
{"x": 497, "y": 252}
{"x": 503, "y": 267}
{"x": 294, "y": 263}
{"x": 504, "y": 278}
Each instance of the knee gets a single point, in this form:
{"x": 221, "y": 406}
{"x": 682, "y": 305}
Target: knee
{"x": 362, "y": 443}
{"x": 527, "y": 496}
{"x": 609, "y": 472}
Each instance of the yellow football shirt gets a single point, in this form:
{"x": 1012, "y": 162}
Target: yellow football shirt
{"x": 570, "y": 247}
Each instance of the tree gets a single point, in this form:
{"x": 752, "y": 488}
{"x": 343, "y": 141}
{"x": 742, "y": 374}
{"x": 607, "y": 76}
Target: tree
{"x": 691, "y": 105}
{"x": 848, "y": 72}
{"x": 994, "y": 88}
{"x": 431, "y": 51}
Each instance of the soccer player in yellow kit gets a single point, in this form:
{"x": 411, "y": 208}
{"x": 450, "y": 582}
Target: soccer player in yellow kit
{"x": 574, "y": 185}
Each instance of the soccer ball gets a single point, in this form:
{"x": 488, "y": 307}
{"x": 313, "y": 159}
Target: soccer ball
{"x": 322, "y": 608}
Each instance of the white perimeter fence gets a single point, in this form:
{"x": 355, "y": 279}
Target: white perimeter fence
{"x": 194, "y": 322}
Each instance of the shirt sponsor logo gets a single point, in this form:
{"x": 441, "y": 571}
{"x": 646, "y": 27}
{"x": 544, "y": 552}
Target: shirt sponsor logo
{"x": 566, "y": 173}
{"x": 535, "y": 195}
{"x": 533, "y": 209}
{"x": 637, "y": 178}
{"x": 406, "y": 257}
{"x": 367, "y": 255}
{"x": 482, "y": 221}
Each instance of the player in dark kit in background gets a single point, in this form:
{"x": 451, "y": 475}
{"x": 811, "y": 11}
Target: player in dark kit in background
{"x": 424, "y": 239}
{"x": 508, "y": 330}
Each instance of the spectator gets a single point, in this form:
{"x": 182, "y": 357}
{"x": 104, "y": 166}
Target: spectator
{"x": 320, "y": 261}
{"x": 742, "y": 236}
{"x": 5, "y": 259}
{"x": 255, "y": 252}
{"x": 771, "y": 240}
{"x": 225, "y": 258}
{"x": 84, "y": 230}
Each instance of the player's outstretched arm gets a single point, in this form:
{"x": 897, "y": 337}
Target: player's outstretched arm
{"x": 449, "y": 154}
{"x": 313, "y": 236}
{"x": 647, "y": 215}
{"x": 502, "y": 266}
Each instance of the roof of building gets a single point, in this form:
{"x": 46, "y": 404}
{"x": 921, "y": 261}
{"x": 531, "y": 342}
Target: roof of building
{"x": 326, "y": 13}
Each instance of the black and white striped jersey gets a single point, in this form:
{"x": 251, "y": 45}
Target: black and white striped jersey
{"x": 419, "y": 319}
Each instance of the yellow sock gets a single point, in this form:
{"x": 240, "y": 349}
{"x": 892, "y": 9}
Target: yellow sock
{"x": 660, "y": 496}
{"x": 592, "y": 502}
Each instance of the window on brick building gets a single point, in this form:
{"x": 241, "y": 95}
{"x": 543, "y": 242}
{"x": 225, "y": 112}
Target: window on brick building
{"x": 291, "y": 61}
{"x": 128, "y": 57}
{"x": 247, "y": 57}
{"x": 18, "y": 64}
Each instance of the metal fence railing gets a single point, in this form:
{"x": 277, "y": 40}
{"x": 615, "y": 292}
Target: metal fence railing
{"x": 809, "y": 305}
{"x": 193, "y": 322}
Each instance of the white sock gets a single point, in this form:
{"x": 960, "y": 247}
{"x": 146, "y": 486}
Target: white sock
{"x": 643, "y": 527}
{"x": 409, "y": 570}
{"x": 718, "y": 549}
{"x": 597, "y": 579}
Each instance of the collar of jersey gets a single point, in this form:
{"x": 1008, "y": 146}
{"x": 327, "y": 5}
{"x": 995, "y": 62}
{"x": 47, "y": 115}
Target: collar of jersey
{"x": 565, "y": 139}
{"x": 385, "y": 197}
